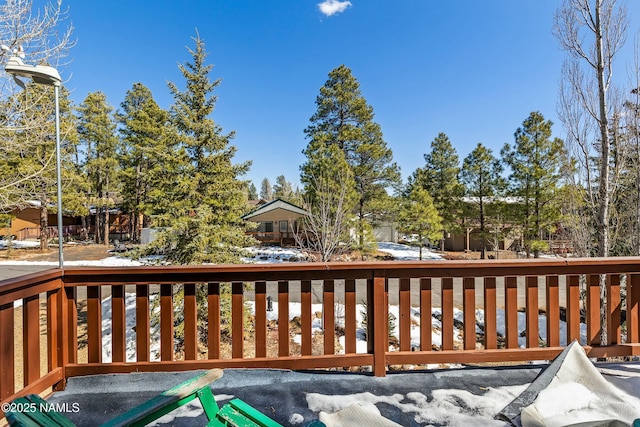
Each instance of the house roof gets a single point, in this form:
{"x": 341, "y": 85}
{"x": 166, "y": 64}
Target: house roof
{"x": 254, "y": 203}
{"x": 273, "y": 205}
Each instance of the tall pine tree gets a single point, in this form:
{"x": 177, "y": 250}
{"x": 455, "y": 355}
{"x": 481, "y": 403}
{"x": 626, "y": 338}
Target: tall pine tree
{"x": 146, "y": 158}
{"x": 419, "y": 216}
{"x": 481, "y": 175}
{"x": 439, "y": 177}
{"x": 207, "y": 225}
{"x": 344, "y": 119}
{"x": 97, "y": 132}
{"x": 266, "y": 192}
{"x": 535, "y": 161}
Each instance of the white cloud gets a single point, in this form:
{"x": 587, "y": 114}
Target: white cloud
{"x": 331, "y": 7}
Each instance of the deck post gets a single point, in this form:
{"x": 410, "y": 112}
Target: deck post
{"x": 377, "y": 322}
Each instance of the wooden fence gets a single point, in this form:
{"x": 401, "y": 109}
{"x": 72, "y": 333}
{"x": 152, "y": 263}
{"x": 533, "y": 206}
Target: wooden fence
{"x": 59, "y": 324}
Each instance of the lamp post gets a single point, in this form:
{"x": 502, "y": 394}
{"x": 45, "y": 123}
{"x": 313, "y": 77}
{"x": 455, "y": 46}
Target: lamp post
{"x": 48, "y": 76}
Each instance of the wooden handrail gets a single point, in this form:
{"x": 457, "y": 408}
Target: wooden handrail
{"x": 412, "y": 290}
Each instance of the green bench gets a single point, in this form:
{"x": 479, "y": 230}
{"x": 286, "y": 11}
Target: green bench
{"x": 235, "y": 413}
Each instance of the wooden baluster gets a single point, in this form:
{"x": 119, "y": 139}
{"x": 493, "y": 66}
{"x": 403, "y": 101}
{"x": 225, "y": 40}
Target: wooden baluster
{"x": 533, "y": 333}
{"x": 283, "y": 318}
{"x": 237, "y": 320}
{"x": 261, "y": 319}
{"x": 553, "y": 311}
{"x": 306, "y": 330}
{"x": 213, "y": 315}
{"x": 31, "y": 338}
{"x": 166, "y": 322}
{"x": 469, "y": 306}
{"x": 94, "y": 324}
{"x": 511, "y": 311}
{"x": 7, "y": 364}
{"x": 593, "y": 310}
{"x": 71, "y": 304}
{"x": 378, "y": 322}
{"x": 633, "y": 308}
{"x": 53, "y": 329}
{"x": 425, "y": 314}
{"x": 350, "y": 316}
{"x": 614, "y": 309}
{"x": 190, "y": 322}
{"x": 143, "y": 324}
{"x": 447, "y": 313}
{"x": 573, "y": 308}
{"x": 490, "y": 309}
{"x": 118, "y": 322}
{"x": 328, "y": 316}
{"x": 405, "y": 314}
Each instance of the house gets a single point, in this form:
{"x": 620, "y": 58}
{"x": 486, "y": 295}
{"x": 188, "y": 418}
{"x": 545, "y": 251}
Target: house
{"x": 24, "y": 223}
{"x": 277, "y": 220}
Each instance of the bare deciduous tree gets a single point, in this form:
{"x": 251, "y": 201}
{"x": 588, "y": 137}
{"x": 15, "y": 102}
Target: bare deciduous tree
{"x": 45, "y": 39}
{"x": 323, "y": 228}
{"x": 592, "y": 32}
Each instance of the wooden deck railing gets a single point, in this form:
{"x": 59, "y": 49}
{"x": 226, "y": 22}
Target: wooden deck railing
{"x": 53, "y": 326}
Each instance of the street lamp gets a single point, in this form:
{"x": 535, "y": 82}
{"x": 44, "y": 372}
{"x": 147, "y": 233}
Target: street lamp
{"x": 48, "y": 76}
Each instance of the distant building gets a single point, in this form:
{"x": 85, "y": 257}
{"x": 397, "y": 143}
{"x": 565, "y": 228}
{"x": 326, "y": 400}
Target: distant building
{"x": 276, "y": 221}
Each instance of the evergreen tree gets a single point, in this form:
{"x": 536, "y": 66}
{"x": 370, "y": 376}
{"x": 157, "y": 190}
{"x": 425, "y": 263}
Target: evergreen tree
{"x": 97, "y": 132}
{"x": 206, "y": 224}
{"x": 418, "y": 215}
{"x": 440, "y": 178}
{"x": 147, "y": 158}
{"x": 266, "y": 192}
{"x": 535, "y": 161}
{"x": 282, "y": 188}
{"x": 344, "y": 119}
{"x": 481, "y": 175}
{"x": 253, "y": 192}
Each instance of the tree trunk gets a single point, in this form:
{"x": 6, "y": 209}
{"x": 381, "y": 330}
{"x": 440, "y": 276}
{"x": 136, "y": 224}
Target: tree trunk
{"x": 44, "y": 226}
{"x": 482, "y": 231}
{"x": 84, "y": 235}
{"x": 604, "y": 196}
{"x": 98, "y": 226}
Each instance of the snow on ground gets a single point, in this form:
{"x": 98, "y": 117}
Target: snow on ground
{"x": 273, "y": 255}
{"x": 451, "y": 407}
{"x": 19, "y": 244}
{"x": 276, "y": 254}
{"x": 405, "y": 252}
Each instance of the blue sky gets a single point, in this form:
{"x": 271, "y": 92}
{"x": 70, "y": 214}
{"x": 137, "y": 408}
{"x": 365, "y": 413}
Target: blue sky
{"x": 471, "y": 69}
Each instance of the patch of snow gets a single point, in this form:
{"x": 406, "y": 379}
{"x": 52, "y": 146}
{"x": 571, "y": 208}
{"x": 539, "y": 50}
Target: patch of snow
{"x": 451, "y": 407}
{"x": 273, "y": 255}
{"x": 19, "y": 244}
{"x": 296, "y": 419}
{"x": 406, "y": 252}
{"x": 192, "y": 409}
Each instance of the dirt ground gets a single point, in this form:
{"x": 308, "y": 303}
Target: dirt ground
{"x": 71, "y": 253}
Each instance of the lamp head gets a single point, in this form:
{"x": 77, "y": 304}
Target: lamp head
{"x": 40, "y": 74}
